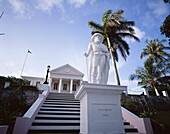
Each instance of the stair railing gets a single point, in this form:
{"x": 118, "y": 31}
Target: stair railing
{"x": 22, "y": 124}
{"x": 142, "y": 124}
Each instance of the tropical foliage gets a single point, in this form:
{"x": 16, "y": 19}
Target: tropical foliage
{"x": 150, "y": 76}
{"x": 165, "y": 28}
{"x": 166, "y": 1}
{"x": 156, "y": 71}
{"x": 115, "y": 29}
{"x": 15, "y": 99}
{"x": 156, "y": 50}
{"x": 13, "y": 81}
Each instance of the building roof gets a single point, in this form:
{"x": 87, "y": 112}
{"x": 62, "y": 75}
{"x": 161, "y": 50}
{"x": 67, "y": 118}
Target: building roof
{"x": 32, "y": 78}
{"x": 67, "y": 69}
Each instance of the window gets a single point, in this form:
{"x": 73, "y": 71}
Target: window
{"x": 74, "y": 87}
{"x": 64, "y": 86}
{"x": 55, "y": 86}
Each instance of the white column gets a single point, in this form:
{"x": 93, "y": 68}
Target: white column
{"x": 156, "y": 91}
{"x": 146, "y": 92}
{"x": 165, "y": 94}
{"x": 50, "y": 84}
{"x": 71, "y": 86}
{"x": 60, "y": 86}
{"x": 81, "y": 81}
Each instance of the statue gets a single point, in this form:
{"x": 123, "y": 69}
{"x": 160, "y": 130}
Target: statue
{"x": 98, "y": 58}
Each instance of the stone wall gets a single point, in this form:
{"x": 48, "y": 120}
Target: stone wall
{"x": 14, "y": 102}
{"x": 25, "y": 94}
{"x": 139, "y": 104}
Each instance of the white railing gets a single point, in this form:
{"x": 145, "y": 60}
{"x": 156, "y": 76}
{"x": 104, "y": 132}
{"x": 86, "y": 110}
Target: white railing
{"x": 22, "y": 124}
{"x": 142, "y": 124}
{"x": 3, "y": 129}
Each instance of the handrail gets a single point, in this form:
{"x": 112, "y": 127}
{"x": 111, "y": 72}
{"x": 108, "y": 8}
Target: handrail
{"x": 142, "y": 124}
{"x": 22, "y": 124}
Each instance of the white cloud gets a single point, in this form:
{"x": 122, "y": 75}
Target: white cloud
{"x": 9, "y": 64}
{"x": 47, "y": 5}
{"x": 132, "y": 86}
{"x": 18, "y": 6}
{"x": 138, "y": 33}
{"x": 148, "y": 20}
{"x": 92, "y": 2}
{"x": 25, "y": 9}
{"x": 71, "y": 22}
{"x": 21, "y": 8}
{"x": 158, "y": 8}
{"x": 77, "y": 3}
{"x": 14, "y": 74}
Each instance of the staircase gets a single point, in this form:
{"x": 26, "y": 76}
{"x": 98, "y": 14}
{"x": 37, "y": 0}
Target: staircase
{"x": 60, "y": 113}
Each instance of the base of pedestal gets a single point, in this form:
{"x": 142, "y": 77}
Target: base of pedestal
{"x": 100, "y": 110}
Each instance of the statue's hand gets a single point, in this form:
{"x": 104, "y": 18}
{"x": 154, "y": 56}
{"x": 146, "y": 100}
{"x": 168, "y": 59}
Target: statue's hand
{"x": 86, "y": 55}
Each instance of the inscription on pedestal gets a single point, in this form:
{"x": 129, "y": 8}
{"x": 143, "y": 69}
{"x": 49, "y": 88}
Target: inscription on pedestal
{"x": 103, "y": 112}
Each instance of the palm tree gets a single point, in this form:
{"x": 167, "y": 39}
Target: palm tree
{"x": 149, "y": 76}
{"x": 114, "y": 30}
{"x": 156, "y": 50}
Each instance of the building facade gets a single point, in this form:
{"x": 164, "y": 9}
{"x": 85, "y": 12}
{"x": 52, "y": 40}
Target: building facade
{"x": 64, "y": 79}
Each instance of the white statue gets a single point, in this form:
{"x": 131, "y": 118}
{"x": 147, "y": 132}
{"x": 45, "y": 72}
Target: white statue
{"x": 98, "y": 59}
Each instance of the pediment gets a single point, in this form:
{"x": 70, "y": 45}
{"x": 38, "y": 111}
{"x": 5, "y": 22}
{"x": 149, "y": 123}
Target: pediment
{"x": 67, "y": 69}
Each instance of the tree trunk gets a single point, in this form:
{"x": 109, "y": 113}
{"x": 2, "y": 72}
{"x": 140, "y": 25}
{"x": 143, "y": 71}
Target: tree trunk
{"x": 114, "y": 64}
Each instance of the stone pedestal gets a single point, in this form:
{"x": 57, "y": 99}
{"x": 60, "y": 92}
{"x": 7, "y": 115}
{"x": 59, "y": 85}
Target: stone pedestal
{"x": 100, "y": 110}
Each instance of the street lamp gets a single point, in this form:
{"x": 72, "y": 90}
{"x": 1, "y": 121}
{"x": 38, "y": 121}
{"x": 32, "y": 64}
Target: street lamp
{"x": 48, "y": 70}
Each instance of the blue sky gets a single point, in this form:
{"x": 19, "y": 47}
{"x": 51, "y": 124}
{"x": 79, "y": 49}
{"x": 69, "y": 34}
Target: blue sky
{"x": 57, "y": 33}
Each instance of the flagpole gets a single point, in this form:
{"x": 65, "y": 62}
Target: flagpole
{"x": 24, "y": 62}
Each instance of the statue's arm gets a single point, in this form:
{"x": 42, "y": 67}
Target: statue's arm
{"x": 88, "y": 50}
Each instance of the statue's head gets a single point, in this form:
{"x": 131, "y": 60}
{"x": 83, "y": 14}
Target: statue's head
{"x": 97, "y": 38}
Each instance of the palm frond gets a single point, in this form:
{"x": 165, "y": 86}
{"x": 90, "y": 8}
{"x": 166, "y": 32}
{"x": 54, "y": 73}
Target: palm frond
{"x": 105, "y": 16}
{"x": 128, "y": 35}
{"x": 127, "y": 23}
{"x": 118, "y": 15}
{"x": 95, "y": 26}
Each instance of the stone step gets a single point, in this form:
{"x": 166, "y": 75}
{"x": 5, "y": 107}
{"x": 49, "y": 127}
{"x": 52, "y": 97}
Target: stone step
{"x": 48, "y": 116}
{"x": 59, "y": 112}
{"x": 128, "y": 126}
{"x": 56, "y": 121}
{"x": 58, "y": 100}
{"x": 67, "y": 99}
{"x": 130, "y": 130}
{"x": 133, "y": 133}
{"x": 49, "y": 105}
{"x": 56, "y": 95}
{"x": 55, "y": 128}
{"x": 72, "y": 97}
{"x": 126, "y": 123}
{"x": 63, "y": 103}
{"x": 60, "y": 94}
{"x": 59, "y": 109}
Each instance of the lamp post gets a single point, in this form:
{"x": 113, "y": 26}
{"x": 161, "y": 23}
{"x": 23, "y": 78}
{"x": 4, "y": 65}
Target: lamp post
{"x": 48, "y": 70}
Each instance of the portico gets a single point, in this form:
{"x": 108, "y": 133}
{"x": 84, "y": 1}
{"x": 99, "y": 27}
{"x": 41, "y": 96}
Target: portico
{"x": 65, "y": 79}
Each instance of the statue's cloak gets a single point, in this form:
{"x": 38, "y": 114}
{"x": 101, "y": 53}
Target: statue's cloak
{"x": 105, "y": 72}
